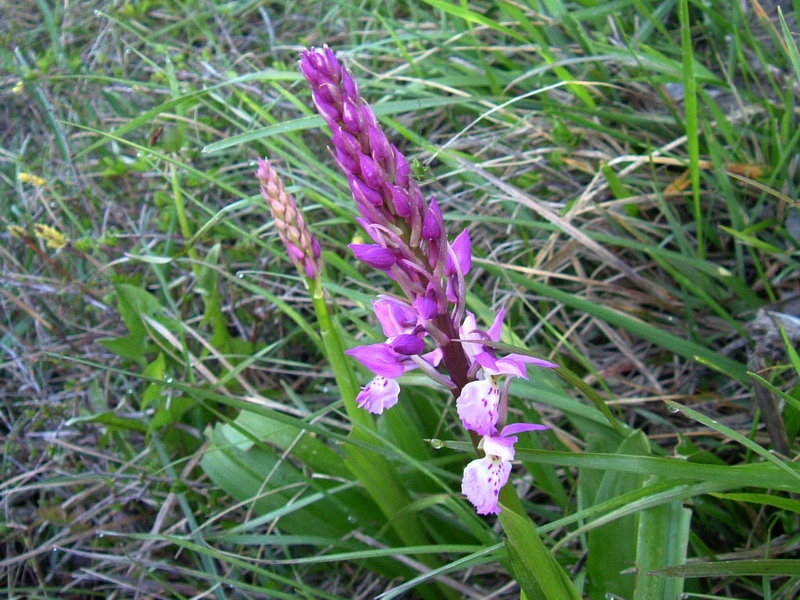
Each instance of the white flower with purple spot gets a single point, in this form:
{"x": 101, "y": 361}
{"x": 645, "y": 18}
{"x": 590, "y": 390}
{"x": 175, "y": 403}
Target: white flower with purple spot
{"x": 378, "y": 395}
{"x": 484, "y": 477}
{"x": 478, "y": 403}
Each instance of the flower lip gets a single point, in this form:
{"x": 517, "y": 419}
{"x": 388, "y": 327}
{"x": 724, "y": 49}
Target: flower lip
{"x": 477, "y": 406}
{"x": 379, "y": 394}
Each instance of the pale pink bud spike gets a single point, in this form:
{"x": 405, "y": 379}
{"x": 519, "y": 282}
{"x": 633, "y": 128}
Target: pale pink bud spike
{"x": 301, "y": 247}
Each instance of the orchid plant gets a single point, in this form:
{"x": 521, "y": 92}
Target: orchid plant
{"x": 430, "y": 329}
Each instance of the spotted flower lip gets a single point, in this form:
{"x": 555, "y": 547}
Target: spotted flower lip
{"x": 484, "y": 477}
{"x": 378, "y": 395}
{"x": 477, "y": 405}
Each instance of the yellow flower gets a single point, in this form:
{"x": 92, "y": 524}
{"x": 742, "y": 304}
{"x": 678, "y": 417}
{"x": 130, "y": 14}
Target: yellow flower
{"x": 52, "y": 237}
{"x": 16, "y": 231}
{"x": 34, "y": 179}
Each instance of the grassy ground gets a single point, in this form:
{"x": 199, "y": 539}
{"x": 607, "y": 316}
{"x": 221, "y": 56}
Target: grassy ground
{"x": 170, "y": 427}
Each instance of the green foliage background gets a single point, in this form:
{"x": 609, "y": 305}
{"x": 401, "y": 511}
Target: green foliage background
{"x": 170, "y": 425}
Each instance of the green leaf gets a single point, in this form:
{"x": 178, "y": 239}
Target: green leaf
{"x": 766, "y": 499}
{"x": 728, "y": 568}
{"x": 155, "y": 370}
{"x": 611, "y": 548}
{"x": 112, "y": 420}
{"x": 535, "y": 569}
{"x": 663, "y": 537}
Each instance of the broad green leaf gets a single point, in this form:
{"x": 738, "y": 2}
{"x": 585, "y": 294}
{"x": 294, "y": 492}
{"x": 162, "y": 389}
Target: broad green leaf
{"x": 535, "y": 569}
{"x": 611, "y": 548}
{"x": 663, "y": 537}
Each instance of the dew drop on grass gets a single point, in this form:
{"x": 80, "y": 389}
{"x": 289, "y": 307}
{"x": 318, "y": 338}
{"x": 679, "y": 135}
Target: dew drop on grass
{"x": 240, "y": 275}
{"x": 437, "y": 444}
{"x": 168, "y": 379}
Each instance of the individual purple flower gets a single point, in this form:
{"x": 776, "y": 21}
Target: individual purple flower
{"x": 381, "y": 359}
{"x": 484, "y": 477}
{"x": 389, "y": 360}
{"x": 379, "y": 394}
{"x": 408, "y": 344}
{"x": 478, "y": 405}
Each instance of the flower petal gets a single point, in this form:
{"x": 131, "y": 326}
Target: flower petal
{"x": 532, "y": 360}
{"x": 426, "y": 305}
{"x": 497, "y": 326}
{"x": 499, "y": 447}
{"x": 379, "y": 394}
{"x": 380, "y": 359}
{"x": 515, "y": 428}
{"x": 477, "y": 405}
{"x": 482, "y": 481}
{"x": 408, "y": 344}
{"x": 461, "y": 251}
{"x": 373, "y": 255}
{"x": 394, "y": 316}
{"x": 432, "y": 222}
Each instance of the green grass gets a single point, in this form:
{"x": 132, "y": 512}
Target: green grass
{"x": 170, "y": 420}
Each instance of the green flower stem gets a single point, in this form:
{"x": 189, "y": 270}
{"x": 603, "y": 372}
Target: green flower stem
{"x": 375, "y": 473}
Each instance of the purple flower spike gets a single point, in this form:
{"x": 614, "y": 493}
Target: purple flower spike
{"x": 380, "y": 359}
{"x": 373, "y": 255}
{"x": 393, "y": 209}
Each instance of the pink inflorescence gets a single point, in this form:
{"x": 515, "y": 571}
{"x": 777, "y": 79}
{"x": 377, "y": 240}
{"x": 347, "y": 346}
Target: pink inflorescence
{"x": 301, "y": 246}
{"x": 410, "y": 244}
